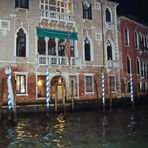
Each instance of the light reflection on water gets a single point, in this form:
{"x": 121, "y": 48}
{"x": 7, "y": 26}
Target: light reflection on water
{"x": 121, "y": 128}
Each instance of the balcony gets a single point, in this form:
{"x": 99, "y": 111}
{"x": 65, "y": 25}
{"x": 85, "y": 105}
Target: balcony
{"x": 113, "y": 64}
{"x": 53, "y": 16}
{"x": 46, "y": 60}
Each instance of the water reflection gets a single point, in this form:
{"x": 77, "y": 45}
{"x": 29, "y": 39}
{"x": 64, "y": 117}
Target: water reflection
{"x": 58, "y": 130}
{"x": 121, "y": 128}
{"x": 132, "y": 127}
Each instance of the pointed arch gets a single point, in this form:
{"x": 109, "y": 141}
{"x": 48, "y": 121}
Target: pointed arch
{"x": 128, "y": 64}
{"x": 110, "y": 52}
{"x": 21, "y": 42}
{"x": 138, "y": 65}
{"x": 126, "y": 36}
{"x": 88, "y": 52}
{"x": 108, "y": 15}
{"x": 87, "y": 10}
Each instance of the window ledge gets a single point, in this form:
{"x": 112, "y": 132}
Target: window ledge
{"x": 89, "y": 93}
{"x": 19, "y": 95}
{"x": 41, "y": 98}
{"x": 87, "y": 20}
{"x": 22, "y": 9}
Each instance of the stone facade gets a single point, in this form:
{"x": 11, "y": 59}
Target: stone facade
{"x": 92, "y": 25}
{"x": 134, "y": 57}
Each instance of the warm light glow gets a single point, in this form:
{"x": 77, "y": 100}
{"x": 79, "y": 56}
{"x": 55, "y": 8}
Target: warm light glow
{"x": 39, "y": 83}
{"x": 59, "y": 81}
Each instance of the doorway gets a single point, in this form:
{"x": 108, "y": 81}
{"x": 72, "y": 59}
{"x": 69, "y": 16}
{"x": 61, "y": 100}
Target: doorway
{"x": 58, "y": 91}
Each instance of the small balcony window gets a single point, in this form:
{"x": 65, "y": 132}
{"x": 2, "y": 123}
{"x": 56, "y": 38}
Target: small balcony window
{"x": 22, "y": 4}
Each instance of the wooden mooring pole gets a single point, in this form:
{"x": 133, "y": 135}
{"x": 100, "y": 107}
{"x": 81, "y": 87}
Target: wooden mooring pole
{"x": 56, "y": 98}
{"x": 72, "y": 96}
{"x": 1, "y": 97}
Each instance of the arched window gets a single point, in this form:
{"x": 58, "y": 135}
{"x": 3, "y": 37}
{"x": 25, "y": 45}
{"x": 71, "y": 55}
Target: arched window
{"x": 87, "y": 11}
{"x": 128, "y": 65}
{"x": 109, "y": 51}
{"x": 87, "y": 49}
{"x": 138, "y": 66}
{"x": 136, "y": 40}
{"x": 126, "y": 32}
{"x": 108, "y": 15}
{"x": 21, "y": 44}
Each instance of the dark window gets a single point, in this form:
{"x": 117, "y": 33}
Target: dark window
{"x": 21, "y": 44}
{"x": 61, "y": 51}
{"x": 41, "y": 46}
{"x": 128, "y": 65}
{"x": 109, "y": 52}
{"x": 128, "y": 87}
{"x": 108, "y": 15}
{"x": 87, "y": 11}
{"x": 126, "y": 37}
{"x": 136, "y": 40}
{"x": 89, "y": 84}
{"x": 22, "y": 4}
{"x": 87, "y": 49}
{"x": 112, "y": 82}
{"x": 51, "y": 47}
{"x": 142, "y": 69}
{"x": 141, "y": 42}
{"x": 138, "y": 67}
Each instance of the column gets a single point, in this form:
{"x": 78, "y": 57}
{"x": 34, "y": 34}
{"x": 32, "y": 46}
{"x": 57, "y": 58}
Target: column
{"x": 46, "y": 48}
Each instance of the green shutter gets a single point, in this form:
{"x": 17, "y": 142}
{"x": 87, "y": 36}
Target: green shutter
{"x": 55, "y": 34}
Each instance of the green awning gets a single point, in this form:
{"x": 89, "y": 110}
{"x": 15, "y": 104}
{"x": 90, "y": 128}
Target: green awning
{"x": 42, "y": 32}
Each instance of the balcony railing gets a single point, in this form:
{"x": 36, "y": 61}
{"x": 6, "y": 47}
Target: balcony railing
{"x": 46, "y": 60}
{"x": 113, "y": 64}
{"x": 57, "y": 16}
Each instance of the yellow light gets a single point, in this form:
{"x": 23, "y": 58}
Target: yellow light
{"x": 39, "y": 83}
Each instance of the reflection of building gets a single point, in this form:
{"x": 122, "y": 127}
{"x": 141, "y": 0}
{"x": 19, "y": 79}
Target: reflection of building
{"x": 134, "y": 56}
{"x": 33, "y": 35}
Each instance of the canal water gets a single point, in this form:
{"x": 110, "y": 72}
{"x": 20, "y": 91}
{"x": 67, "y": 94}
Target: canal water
{"x": 121, "y": 128}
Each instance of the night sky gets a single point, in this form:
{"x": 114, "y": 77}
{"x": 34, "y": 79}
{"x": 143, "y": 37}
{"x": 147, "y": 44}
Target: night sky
{"x": 136, "y": 9}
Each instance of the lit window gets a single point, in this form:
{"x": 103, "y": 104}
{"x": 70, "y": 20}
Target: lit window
{"x": 41, "y": 83}
{"x": 21, "y": 84}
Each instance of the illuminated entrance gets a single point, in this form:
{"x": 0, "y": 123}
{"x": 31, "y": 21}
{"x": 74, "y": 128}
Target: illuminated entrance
{"x": 57, "y": 89}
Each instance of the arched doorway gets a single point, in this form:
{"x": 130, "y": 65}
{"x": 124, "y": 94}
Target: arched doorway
{"x": 58, "y": 89}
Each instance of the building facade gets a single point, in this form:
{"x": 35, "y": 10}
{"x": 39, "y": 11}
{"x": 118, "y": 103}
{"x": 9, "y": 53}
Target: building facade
{"x": 134, "y": 57}
{"x": 73, "y": 40}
